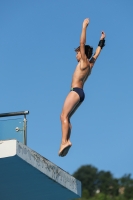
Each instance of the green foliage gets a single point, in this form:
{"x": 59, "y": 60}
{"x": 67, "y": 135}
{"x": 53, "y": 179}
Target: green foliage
{"x": 107, "y": 184}
{"x": 100, "y": 196}
{"x": 126, "y": 180}
{"x": 128, "y": 192}
{"x": 85, "y": 194}
{"x": 101, "y": 185}
{"x": 88, "y": 176}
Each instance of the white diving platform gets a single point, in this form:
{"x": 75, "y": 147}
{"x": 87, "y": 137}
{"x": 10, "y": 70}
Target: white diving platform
{"x": 26, "y": 175}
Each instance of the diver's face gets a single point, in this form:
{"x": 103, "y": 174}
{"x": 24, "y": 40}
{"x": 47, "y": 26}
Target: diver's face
{"x": 78, "y": 55}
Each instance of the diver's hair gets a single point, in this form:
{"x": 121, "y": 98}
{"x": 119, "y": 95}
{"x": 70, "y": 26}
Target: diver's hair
{"x": 88, "y": 50}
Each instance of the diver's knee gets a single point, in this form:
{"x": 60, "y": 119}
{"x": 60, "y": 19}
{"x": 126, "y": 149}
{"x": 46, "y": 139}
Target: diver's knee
{"x": 63, "y": 118}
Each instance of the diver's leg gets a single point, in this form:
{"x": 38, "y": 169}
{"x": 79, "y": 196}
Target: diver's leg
{"x": 69, "y": 105}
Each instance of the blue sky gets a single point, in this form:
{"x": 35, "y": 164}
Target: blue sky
{"x": 37, "y": 60}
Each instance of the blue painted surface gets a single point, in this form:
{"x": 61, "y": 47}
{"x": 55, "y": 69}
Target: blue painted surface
{"x": 21, "y": 181}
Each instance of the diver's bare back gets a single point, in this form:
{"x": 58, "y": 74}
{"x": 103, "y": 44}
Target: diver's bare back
{"x": 80, "y": 74}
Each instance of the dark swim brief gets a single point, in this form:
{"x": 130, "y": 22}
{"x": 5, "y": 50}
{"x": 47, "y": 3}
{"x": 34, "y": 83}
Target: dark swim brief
{"x": 80, "y": 92}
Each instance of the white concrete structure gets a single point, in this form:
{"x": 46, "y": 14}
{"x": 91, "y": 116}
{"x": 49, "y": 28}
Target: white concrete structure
{"x": 26, "y": 175}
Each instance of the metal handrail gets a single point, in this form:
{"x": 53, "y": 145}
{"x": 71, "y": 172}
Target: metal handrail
{"x": 14, "y": 113}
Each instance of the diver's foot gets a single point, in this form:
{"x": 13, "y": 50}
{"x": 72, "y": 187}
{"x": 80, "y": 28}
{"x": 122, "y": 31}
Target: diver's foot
{"x": 64, "y": 148}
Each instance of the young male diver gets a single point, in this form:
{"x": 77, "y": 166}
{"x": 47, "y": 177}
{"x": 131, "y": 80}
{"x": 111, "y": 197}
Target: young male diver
{"x": 76, "y": 95}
